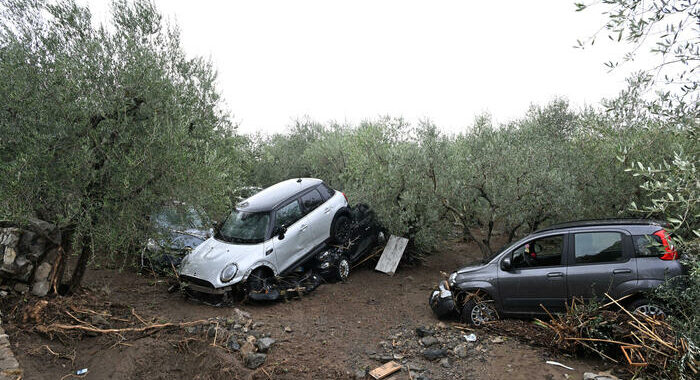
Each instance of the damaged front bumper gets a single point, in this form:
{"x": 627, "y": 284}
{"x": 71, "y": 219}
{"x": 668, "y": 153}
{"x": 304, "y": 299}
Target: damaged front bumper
{"x": 442, "y": 301}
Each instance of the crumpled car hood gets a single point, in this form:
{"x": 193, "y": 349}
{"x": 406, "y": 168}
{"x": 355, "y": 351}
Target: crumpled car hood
{"x": 209, "y": 258}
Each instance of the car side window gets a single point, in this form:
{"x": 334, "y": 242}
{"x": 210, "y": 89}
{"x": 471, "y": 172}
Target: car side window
{"x": 648, "y": 245}
{"x": 311, "y": 200}
{"x": 287, "y": 215}
{"x": 598, "y": 247}
{"x": 542, "y": 252}
{"x": 326, "y": 191}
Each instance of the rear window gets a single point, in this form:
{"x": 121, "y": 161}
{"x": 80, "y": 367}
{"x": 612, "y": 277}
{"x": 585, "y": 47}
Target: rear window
{"x": 598, "y": 247}
{"x": 326, "y": 191}
{"x": 648, "y": 246}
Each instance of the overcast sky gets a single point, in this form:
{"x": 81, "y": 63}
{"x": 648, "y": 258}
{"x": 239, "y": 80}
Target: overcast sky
{"x": 354, "y": 60}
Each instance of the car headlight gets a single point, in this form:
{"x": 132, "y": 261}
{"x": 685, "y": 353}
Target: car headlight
{"x": 451, "y": 280}
{"x": 229, "y": 272}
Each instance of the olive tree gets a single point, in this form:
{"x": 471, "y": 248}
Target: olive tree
{"x": 101, "y": 124}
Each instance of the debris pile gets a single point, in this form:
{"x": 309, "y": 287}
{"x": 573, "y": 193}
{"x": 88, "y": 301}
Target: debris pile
{"x": 437, "y": 351}
{"x": 64, "y": 319}
{"x": 634, "y": 339}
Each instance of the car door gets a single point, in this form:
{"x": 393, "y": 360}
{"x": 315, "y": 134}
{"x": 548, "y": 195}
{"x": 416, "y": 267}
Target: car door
{"x": 537, "y": 276}
{"x": 600, "y": 262}
{"x": 287, "y": 246}
{"x": 318, "y": 216}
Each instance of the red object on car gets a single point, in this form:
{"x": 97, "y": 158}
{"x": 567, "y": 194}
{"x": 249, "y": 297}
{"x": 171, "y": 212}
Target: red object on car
{"x": 671, "y": 253}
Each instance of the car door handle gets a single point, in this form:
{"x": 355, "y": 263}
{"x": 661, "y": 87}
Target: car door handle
{"x": 327, "y": 210}
{"x": 303, "y": 227}
{"x": 555, "y": 274}
{"x": 620, "y": 271}
{"x": 269, "y": 251}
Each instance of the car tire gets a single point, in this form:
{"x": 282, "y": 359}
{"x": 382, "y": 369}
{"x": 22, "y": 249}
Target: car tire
{"x": 342, "y": 270}
{"x": 644, "y": 306}
{"x": 258, "y": 280}
{"x": 339, "y": 232}
{"x": 478, "y": 313}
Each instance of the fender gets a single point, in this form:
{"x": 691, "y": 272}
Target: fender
{"x": 258, "y": 264}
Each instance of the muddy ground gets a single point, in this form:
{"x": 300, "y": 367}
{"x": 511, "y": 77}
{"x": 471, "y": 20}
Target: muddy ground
{"x": 338, "y": 331}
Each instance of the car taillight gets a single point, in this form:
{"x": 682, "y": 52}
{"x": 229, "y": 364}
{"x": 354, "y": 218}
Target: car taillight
{"x": 346, "y": 197}
{"x": 671, "y": 253}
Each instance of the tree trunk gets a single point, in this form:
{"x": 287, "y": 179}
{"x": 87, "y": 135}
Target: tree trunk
{"x": 81, "y": 265}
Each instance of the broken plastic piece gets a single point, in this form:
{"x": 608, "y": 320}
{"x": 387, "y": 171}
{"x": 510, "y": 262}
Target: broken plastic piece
{"x": 470, "y": 338}
{"x": 81, "y": 371}
{"x": 385, "y": 370}
{"x": 559, "y": 364}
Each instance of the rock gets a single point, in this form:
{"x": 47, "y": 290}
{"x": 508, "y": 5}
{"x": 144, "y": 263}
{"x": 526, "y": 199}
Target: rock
{"x": 99, "y": 321}
{"x": 428, "y": 341}
{"x": 360, "y": 374}
{"x": 423, "y": 331}
{"x": 498, "y": 339}
{"x": 288, "y": 329}
{"x": 441, "y": 325}
{"x": 42, "y": 272}
{"x": 445, "y": 362}
{"x": 191, "y": 329}
{"x": 10, "y": 237}
{"x": 434, "y": 353}
{"x": 254, "y": 360}
{"x": 264, "y": 344}
{"x": 415, "y": 366}
{"x": 37, "y": 249}
{"x": 9, "y": 256}
{"x": 422, "y": 377}
{"x": 25, "y": 241}
{"x": 247, "y": 348}
{"x": 3, "y": 294}
{"x": 21, "y": 288}
{"x": 240, "y": 314}
{"x": 461, "y": 350}
{"x": 41, "y": 288}
{"x": 256, "y": 334}
{"x": 232, "y": 344}
{"x": 599, "y": 376}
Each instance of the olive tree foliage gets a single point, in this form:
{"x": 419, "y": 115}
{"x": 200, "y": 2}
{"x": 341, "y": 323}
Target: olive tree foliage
{"x": 511, "y": 178}
{"x": 102, "y": 124}
{"x": 669, "y": 30}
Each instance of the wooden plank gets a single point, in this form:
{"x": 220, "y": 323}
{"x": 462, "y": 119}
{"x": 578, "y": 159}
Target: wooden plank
{"x": 385, "y": 370}
{"x": 391, "y": 255}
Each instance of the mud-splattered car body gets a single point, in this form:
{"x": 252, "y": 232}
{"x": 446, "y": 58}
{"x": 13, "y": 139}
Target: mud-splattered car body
{"x": 269, "y": 234}
{"x": 544, "y": 271}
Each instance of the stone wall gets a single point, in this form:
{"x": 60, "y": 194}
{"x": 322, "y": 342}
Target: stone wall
{"x": 28, "y": 256}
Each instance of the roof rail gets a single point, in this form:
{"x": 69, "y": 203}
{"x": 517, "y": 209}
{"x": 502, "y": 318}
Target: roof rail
{"x": 603, "y": 222}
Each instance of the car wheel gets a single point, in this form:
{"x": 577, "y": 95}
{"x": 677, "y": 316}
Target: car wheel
{"x": 341, "y": 229}
{"x": 478, "y": 313}
{"x": 342, "y": 270}
{"x": 643, "y": 306}
{"x": 259, "y": 281}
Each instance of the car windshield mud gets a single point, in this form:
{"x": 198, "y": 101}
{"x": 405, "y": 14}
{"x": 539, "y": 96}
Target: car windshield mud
{"x": 244, "y": 227}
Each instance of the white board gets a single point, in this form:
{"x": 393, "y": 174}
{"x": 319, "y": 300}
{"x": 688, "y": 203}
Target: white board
{"x": 391, "y": 255}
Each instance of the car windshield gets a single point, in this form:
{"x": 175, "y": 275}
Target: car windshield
{"x": 178, "y": 218}
{"x": 244, "y": 227}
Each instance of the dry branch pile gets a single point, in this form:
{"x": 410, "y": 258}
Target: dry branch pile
{"x": 644, "y": 343}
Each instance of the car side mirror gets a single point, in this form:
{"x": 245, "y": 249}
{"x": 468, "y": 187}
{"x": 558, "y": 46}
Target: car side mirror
{"x": 280, "y": 232}
{"x": 506, "y": 264}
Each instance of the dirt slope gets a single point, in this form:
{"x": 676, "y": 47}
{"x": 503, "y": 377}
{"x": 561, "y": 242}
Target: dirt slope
{"x": 336, "y": 331}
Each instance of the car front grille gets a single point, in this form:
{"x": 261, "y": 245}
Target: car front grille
{"x": 196, "y": 281}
